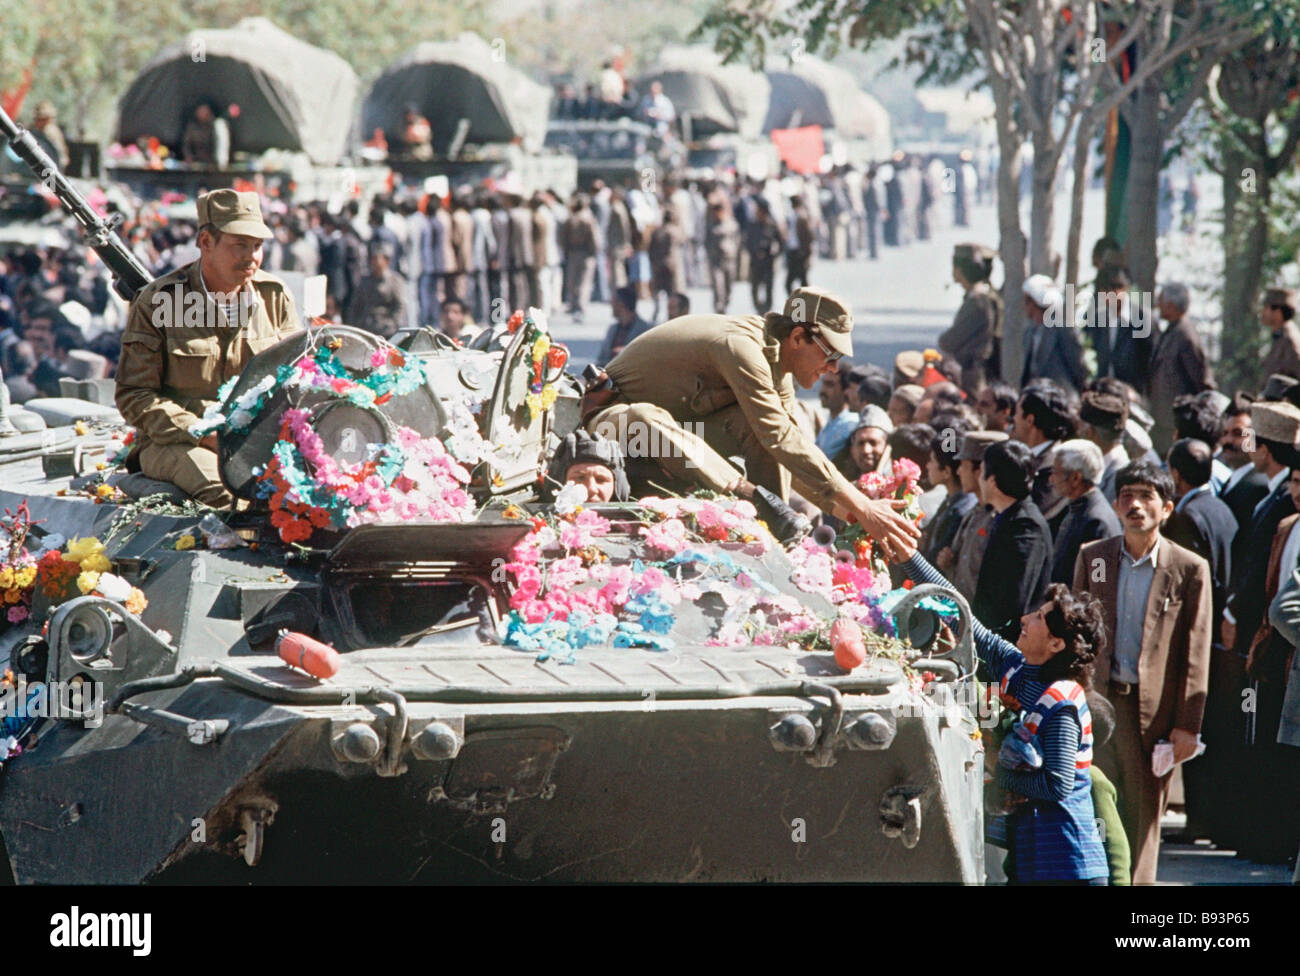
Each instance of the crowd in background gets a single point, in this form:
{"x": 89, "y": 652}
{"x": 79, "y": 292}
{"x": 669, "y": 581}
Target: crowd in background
{"x": 407, "y": 258}
{"x": 1112, "y": 424}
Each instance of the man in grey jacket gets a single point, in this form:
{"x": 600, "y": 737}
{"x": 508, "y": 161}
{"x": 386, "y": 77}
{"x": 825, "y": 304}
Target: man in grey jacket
{"x": 1051, "y": 346}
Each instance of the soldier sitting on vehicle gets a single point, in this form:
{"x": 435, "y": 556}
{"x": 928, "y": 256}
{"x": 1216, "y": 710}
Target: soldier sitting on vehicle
{"x": 190, "y": 331}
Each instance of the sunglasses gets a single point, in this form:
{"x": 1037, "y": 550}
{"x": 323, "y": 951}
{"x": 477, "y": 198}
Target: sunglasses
{"x": 831, "y": 355}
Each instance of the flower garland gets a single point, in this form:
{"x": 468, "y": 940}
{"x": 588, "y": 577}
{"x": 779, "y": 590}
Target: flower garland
{"x": 544, "y": 356}
{"x": 82, "y": 568}
{"x": 566, "y": 596}
{"x": 414, "y": 479}
{"x": 17, "y": 566}
{"x": 391, "y": 374}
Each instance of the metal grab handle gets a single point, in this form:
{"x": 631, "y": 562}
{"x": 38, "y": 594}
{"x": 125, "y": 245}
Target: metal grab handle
{"x": 964, "y": 651}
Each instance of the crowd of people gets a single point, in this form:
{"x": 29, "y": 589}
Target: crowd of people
{"x": 1105, "y": 486}
{"x": 1115, "y": 469}
{"x": 456, "y": 263}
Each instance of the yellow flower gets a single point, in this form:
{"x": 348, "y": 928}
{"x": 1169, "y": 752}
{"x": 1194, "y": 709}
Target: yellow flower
{"x": 184, "y": 542}
{"x": 87, "y": 582}
{"x": 541, "y": 345}
{"x": 548, "y": 397}
{"x": 534, "y": 402}
{"x": 104, "y": 491}
{"x": 6, "y": 578}
{"x": 25, "y": 577}
{"x": 98, "y": 563}
{"x": 81, "y": 428}
{"x": 80, "y": 549}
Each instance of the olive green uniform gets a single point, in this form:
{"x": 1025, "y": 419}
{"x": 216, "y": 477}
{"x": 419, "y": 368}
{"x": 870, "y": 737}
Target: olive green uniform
{"x": 175, "y": 356}
{"x": 720, "y": 374}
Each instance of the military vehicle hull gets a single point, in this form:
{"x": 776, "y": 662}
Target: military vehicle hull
{"x": 217, "y": 762}
{"x": 637, "y": 789}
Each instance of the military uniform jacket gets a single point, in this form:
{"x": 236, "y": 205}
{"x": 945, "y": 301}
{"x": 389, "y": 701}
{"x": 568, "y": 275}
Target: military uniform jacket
{"x": 178, "y": 349}
{"x": 696, "y": 365}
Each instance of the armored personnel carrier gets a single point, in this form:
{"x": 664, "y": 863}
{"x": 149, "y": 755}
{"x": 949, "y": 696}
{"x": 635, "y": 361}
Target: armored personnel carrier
{"x": 518, "y": 688}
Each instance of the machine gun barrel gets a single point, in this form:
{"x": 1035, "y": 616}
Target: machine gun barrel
{"x": 129, "y": 275}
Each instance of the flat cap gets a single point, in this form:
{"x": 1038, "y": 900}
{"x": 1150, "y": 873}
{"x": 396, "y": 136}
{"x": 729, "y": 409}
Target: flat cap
{"x": 1286, "y": 297}
{"x": 1277, "y": 386}
{"x": 828, "y": 314}
{"x": 872, "y": 416}
{"x": 233, "y": 212}
{"x": 909, "y": 393}
{"x": 907, "y": 366}
{"x": 975, "y": 442}
{"x": 1276, "y": 422}
{"x": 1218, "y": 402}
{"x": 1103, "y": 410}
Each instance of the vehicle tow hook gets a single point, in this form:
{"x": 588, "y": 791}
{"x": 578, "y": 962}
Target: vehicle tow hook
{"x": 900, "y": 814}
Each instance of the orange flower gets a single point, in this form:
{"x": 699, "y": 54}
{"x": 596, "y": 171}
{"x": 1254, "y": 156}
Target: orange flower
{"x": 136, "y": 601}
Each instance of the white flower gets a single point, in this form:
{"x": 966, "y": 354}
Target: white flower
{"x": 568, "y": 498}
{"x": 113, "y": 587}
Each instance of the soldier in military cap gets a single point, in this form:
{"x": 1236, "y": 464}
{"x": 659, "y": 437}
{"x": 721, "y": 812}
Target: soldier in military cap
{"x": 974, "y": 338}
{"x": 46, "y": 130}
{"x": 1277, "y": 312}
{"x": 190, "y": 331}
{"x": 732, "y": 379}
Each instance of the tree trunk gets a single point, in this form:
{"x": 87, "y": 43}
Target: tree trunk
{"x": 1042, "y": 213}
{"x": 1082, "y": 152}
{"x": 1144, "y": 186}
{"x": 1012, "y": 249}
{"x": 1244, "y": 252}
{"x": 1235, "y": 299}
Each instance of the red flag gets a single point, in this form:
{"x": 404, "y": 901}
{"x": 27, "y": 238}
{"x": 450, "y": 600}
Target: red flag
{"x": 12, "y": 100}
{"x": 800, "y": 149}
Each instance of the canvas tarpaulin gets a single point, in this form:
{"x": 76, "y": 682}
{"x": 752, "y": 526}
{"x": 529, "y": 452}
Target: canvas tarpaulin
{"x": 719, "y": 98}
{"x": 812, "y": 92}
{"x": 450, "y": 80}
{"x": 290, "y": 94}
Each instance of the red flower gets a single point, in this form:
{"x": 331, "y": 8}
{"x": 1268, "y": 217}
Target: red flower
{"x": 908, "y": 584}
{"x": 395, "y": 358}
{"x": 381, "y": 400}
{"x": 982, "y": 532}
{"x": 927, "y": 676}
{"x": 515, "y": 321}
{"x": 557, "y": 356}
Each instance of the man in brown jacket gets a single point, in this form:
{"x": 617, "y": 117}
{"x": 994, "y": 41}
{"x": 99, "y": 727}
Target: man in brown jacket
{"x": 732, "y": 379}
{"x": 190, "y": 331}
{"x": 1277, "y": 312}
{"x": 1154, "y": 667}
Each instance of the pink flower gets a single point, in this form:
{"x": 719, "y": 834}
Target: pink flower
{"x": 566, "y": 573}
{"x": 529, "y": 581}
{"x": 17, "y": 614}
{"x": 667, "y": 537}
{"x": 615, "y": 592}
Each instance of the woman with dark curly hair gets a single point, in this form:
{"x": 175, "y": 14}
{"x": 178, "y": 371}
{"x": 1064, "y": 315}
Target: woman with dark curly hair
{"x": 1051, "y": 832}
